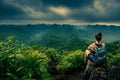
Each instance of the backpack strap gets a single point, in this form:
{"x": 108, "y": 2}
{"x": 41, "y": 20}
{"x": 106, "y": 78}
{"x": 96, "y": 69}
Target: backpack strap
{"x": 98, "y": 45}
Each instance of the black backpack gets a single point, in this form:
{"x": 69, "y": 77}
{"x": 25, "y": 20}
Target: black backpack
{"x": 99, "y": 55}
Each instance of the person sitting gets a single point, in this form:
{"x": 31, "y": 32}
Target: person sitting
{"x": 95, "y": 56}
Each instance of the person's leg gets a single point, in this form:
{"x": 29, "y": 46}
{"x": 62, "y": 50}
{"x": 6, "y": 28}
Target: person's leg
{"x": 99, "y": 73}
{"x": 87, "y": 71}
{"x": 86, "y": 75}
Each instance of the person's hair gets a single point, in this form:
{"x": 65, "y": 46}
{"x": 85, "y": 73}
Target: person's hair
{"x": 98, "y": 36}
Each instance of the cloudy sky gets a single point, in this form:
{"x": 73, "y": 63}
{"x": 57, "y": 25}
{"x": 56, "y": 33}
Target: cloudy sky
{"x": 60, "y": 11}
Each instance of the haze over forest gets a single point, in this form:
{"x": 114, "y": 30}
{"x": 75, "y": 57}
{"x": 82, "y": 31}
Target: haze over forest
{"x": 56, "y": 32}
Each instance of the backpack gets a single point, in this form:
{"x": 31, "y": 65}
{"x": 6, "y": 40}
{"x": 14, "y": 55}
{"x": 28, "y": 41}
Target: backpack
{"x": 99, "y": 55}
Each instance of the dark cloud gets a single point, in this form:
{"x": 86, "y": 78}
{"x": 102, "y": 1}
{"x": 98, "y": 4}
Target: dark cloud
{"x": 67, "y": 3}
{"x": 100, "y": 11}
{"x": 7, "y": 10}
{"x": 117, "y": 1}
{"x": 61, "y": 10}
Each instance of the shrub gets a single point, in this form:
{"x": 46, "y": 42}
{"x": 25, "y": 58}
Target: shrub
{"x": 71, "y": 61}
{"x": 33, "y": 66}
{"x": 113, "y": 60}
{"x": 52, "y": 54}
{"x": 54, "y": 57}
{"x": 18, "y": 61}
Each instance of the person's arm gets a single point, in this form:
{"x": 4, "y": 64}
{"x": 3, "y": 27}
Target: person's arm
{"x": 85, "y": 56}
{"x": 91, "y": 48}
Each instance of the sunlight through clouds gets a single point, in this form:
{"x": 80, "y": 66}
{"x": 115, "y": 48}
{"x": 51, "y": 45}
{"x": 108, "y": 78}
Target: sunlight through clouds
{"x": 99, "y": 7}
{"x": 89, "y": 11}
{"x": 60, "y": 11}
{"x": 33, "y": 12}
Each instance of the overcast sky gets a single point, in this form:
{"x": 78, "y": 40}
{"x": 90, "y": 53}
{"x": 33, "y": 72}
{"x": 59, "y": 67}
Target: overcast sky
{"x": 60, "y": 11}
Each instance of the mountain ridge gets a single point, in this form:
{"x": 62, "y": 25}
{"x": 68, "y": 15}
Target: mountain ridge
{"x": 87, "y": 32}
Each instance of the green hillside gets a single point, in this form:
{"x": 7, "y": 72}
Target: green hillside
{"x": 59, "y": 36}
{"x": 53, "y": 52}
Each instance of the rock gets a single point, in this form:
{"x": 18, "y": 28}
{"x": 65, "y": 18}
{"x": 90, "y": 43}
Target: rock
{"x": 114, "y": 74}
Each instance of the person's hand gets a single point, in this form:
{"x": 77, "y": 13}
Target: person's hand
{"x": 91, "y": 47}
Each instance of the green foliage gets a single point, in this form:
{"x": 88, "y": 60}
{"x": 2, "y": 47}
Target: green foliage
{"x": 54, "y": 57}
{"x": 33, "y": 66}
{"x": 74, "y": 43}
{"x": 113, "y": 59}
{"x": 113, "y": 47}
{"x": 52, "y": 39}
{"x": 118, "y": 50}
{"x": 52, "y": 54}
{"x": 72, "y": 60}
{"x": 20, "y": 62}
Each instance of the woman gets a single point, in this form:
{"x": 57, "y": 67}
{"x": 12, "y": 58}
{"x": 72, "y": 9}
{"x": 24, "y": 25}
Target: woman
{"x": 91, "y": 49}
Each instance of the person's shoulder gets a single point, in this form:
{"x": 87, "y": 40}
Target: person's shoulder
{"x": 91, "y": 47}
{"x": 103, "y": 44}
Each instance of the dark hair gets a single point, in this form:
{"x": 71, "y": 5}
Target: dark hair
{"x": 98, "y": 36}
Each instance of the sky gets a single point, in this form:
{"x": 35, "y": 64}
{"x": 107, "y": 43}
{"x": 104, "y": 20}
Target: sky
{"x": 60, "y": 11}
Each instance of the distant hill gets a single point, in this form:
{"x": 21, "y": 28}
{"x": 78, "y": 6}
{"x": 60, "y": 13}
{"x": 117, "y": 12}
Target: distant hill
{"x": 110, "y": 33}
{"x": 56, "y": 35}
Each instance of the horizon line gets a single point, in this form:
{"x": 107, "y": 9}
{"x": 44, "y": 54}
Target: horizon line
{"x": 58, "y": 24}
